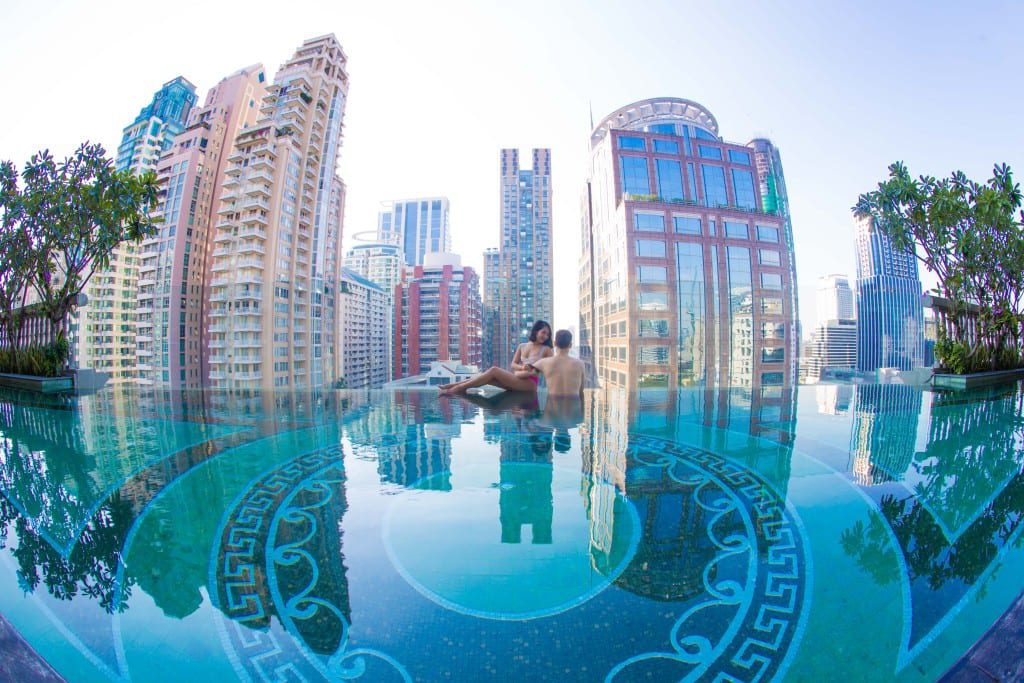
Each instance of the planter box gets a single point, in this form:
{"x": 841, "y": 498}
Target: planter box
{"x": 977, "y": 379}
{"x": 45, "y": 385}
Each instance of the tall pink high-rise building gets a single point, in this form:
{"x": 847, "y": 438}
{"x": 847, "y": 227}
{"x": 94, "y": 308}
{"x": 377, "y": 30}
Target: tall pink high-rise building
{"x": 277, "y": 250}
{"x": 175, "y": 272}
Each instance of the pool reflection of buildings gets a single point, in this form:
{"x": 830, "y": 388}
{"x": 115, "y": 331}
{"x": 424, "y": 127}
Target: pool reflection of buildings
{"x": 410, "y": 435}
{"x": 753, "y": 427}
{"x": 834, "y": 399}
{"x": 884, "y": 434}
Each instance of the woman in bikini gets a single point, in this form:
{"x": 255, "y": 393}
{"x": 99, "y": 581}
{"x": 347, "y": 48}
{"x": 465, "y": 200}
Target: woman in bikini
{"x": 522, "y": 377}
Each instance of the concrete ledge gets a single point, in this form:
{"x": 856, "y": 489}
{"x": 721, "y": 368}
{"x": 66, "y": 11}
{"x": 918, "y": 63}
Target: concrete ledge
{"x": 997, "y": 656}
{"x": 19, "y": 662}
{"x": 44, "y": 385}
{"x": 977, "y": 379}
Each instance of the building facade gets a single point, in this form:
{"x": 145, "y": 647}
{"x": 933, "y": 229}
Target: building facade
{"x": 525, "y": 256}
{"x": 833, "y": 343}
{"x": 103, "y": 331}
{"x": 175, "y": 270}
{"x": 890, "y": 317}
{"x": 277, "y": 250}
{"x": 362, "y": 356}
{"x": 380, "y": 263}
{"x": 835, "y": 298}
{"x": 418, "y": 226}
{"x": 437, "y": 316}
{"x": 494, "y": 283}
{"x": 687, "y": 273}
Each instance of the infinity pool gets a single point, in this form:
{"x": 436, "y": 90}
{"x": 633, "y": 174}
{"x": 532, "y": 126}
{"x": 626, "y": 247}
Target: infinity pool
{"x": 867, "y": 533}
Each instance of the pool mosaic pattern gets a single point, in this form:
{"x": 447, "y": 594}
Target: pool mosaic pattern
{"x": 748, "y": 535}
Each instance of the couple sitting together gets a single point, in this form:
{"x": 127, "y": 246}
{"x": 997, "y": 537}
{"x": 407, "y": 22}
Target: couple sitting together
{"x": 562, "y": 373}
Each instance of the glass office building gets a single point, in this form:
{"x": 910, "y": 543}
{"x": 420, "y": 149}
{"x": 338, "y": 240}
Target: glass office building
{"x": 687, "y": 273}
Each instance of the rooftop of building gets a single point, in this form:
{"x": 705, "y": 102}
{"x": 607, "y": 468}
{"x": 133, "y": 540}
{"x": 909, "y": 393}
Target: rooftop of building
{"x": 652, "y": 111}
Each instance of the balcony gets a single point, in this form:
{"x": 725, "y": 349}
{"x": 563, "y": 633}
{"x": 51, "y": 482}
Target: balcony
{"x": 256, "y": 203}
{"x": 251, "y": 248}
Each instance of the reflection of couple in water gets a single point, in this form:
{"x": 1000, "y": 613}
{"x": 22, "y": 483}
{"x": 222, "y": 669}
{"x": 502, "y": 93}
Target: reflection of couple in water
{"x": 562, "y": 373}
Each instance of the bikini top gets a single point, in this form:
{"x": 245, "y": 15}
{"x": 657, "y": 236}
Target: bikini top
{"x": 526, "y": 358}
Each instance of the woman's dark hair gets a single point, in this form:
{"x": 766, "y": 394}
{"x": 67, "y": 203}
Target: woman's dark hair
{"x": 537, "y": 327}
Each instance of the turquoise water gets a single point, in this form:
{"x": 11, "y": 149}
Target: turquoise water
{"x": 869, "y": 532}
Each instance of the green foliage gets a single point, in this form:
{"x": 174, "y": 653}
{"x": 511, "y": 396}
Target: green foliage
{"x": 69, "y": 218}
{"x": 40, "y": 360}
{"x": 970, "y": 236}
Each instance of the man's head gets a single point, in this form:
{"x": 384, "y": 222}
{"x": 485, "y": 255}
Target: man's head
{"x": 563, "y": 339}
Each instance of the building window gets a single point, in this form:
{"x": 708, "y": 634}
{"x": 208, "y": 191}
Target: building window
{"x": 771, "y": 281}
{"x": 702, "y": 134}
{"x": 769, "y": 257}
{"x": 771, "y": 379}
{"x": 632, "y": 143}
{"x": 652, "y": 380}
{"x": 766, "y": 233}
{"x": 652, "y": 355}
{"x": 652, "y": 301}
{"x": 662, "y": 128}
{"x": 650, "y": 248}
{"x": 649, "y": 222}
{"x": 652, "y": 274}
{"x": 709, "y": 152}
{"x": 691, "y": 179}
{"x": 737, "y": 230}
{"x": 773, "y": 331}
{"x": 635, "y": 178}
{"x": 670, "y": 179}
{"x": 666, "y": 146}
{"x": 686, "y": 225}
{"x": 771, "y": 305}
{"x": 743, "y": 189}
{"x": 773, "y": 355}
{"x": 738, "y": 157}
{"x": 714, "y": 186}
{"x": 653, "y": 328}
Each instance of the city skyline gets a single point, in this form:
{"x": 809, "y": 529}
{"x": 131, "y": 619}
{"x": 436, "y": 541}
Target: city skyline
{"x": 862, "y": 107}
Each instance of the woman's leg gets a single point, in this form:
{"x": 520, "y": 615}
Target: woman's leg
{"x": 496, "y": 376}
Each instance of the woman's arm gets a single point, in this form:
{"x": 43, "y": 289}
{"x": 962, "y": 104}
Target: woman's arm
{"x": 516, "y": 365}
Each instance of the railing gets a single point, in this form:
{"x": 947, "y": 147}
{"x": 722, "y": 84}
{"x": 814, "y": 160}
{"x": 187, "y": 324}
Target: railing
{"x": 626, "y": 196}
{"x": 948, "y": 317}
{"x": 36, "y": 329}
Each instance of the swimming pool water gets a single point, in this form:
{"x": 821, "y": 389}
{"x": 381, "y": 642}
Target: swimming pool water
{"x": 867, "y": 532}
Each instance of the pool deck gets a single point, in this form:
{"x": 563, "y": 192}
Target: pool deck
{"x": 19, "y": 662}
{"x": 999, "y": 655}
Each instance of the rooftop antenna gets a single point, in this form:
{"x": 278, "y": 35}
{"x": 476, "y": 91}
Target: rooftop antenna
{"x": 591, "y": 103}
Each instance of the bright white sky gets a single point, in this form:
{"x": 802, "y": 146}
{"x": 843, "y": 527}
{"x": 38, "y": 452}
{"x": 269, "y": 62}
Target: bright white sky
{"x": 437, "y": 88}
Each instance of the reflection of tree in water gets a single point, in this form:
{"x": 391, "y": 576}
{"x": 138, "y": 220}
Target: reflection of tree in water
{"x": 972, "y": 462}
{"x": 91, "y": 569}
{"x": 930, "y": 557}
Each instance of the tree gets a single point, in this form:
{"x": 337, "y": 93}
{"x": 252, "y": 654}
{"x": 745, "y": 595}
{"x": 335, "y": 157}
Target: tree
{"x": 970, "y": 236}
{"x": 16, "y": 257}
{"x": 76, "y": 213}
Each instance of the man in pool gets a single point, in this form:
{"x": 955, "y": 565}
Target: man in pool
{"x": 562, "y": 373}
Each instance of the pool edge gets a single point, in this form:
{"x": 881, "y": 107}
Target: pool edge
{"x": 19, "y": 661}
{"x": 996, "y": 655}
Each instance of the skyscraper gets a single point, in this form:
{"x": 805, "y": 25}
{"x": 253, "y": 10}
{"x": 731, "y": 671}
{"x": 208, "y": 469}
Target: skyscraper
{"x": 274, "y": 302}
{"x": 525, "y": 257}
{"x": 418, "y": 226}
{"x": 833, "y": 344}
{"x": 381, "y": 264}
{"x": 493, "y": 331}
{"x": 103, "y": 331}
{"x": 175, "y": 272}
{"x": 835, "y": 298}
{"x": 686, "y": 273}
{"x": 890, "y": 319}
{"x": 437, "y": 315}
{"x": 363, "y": 358}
